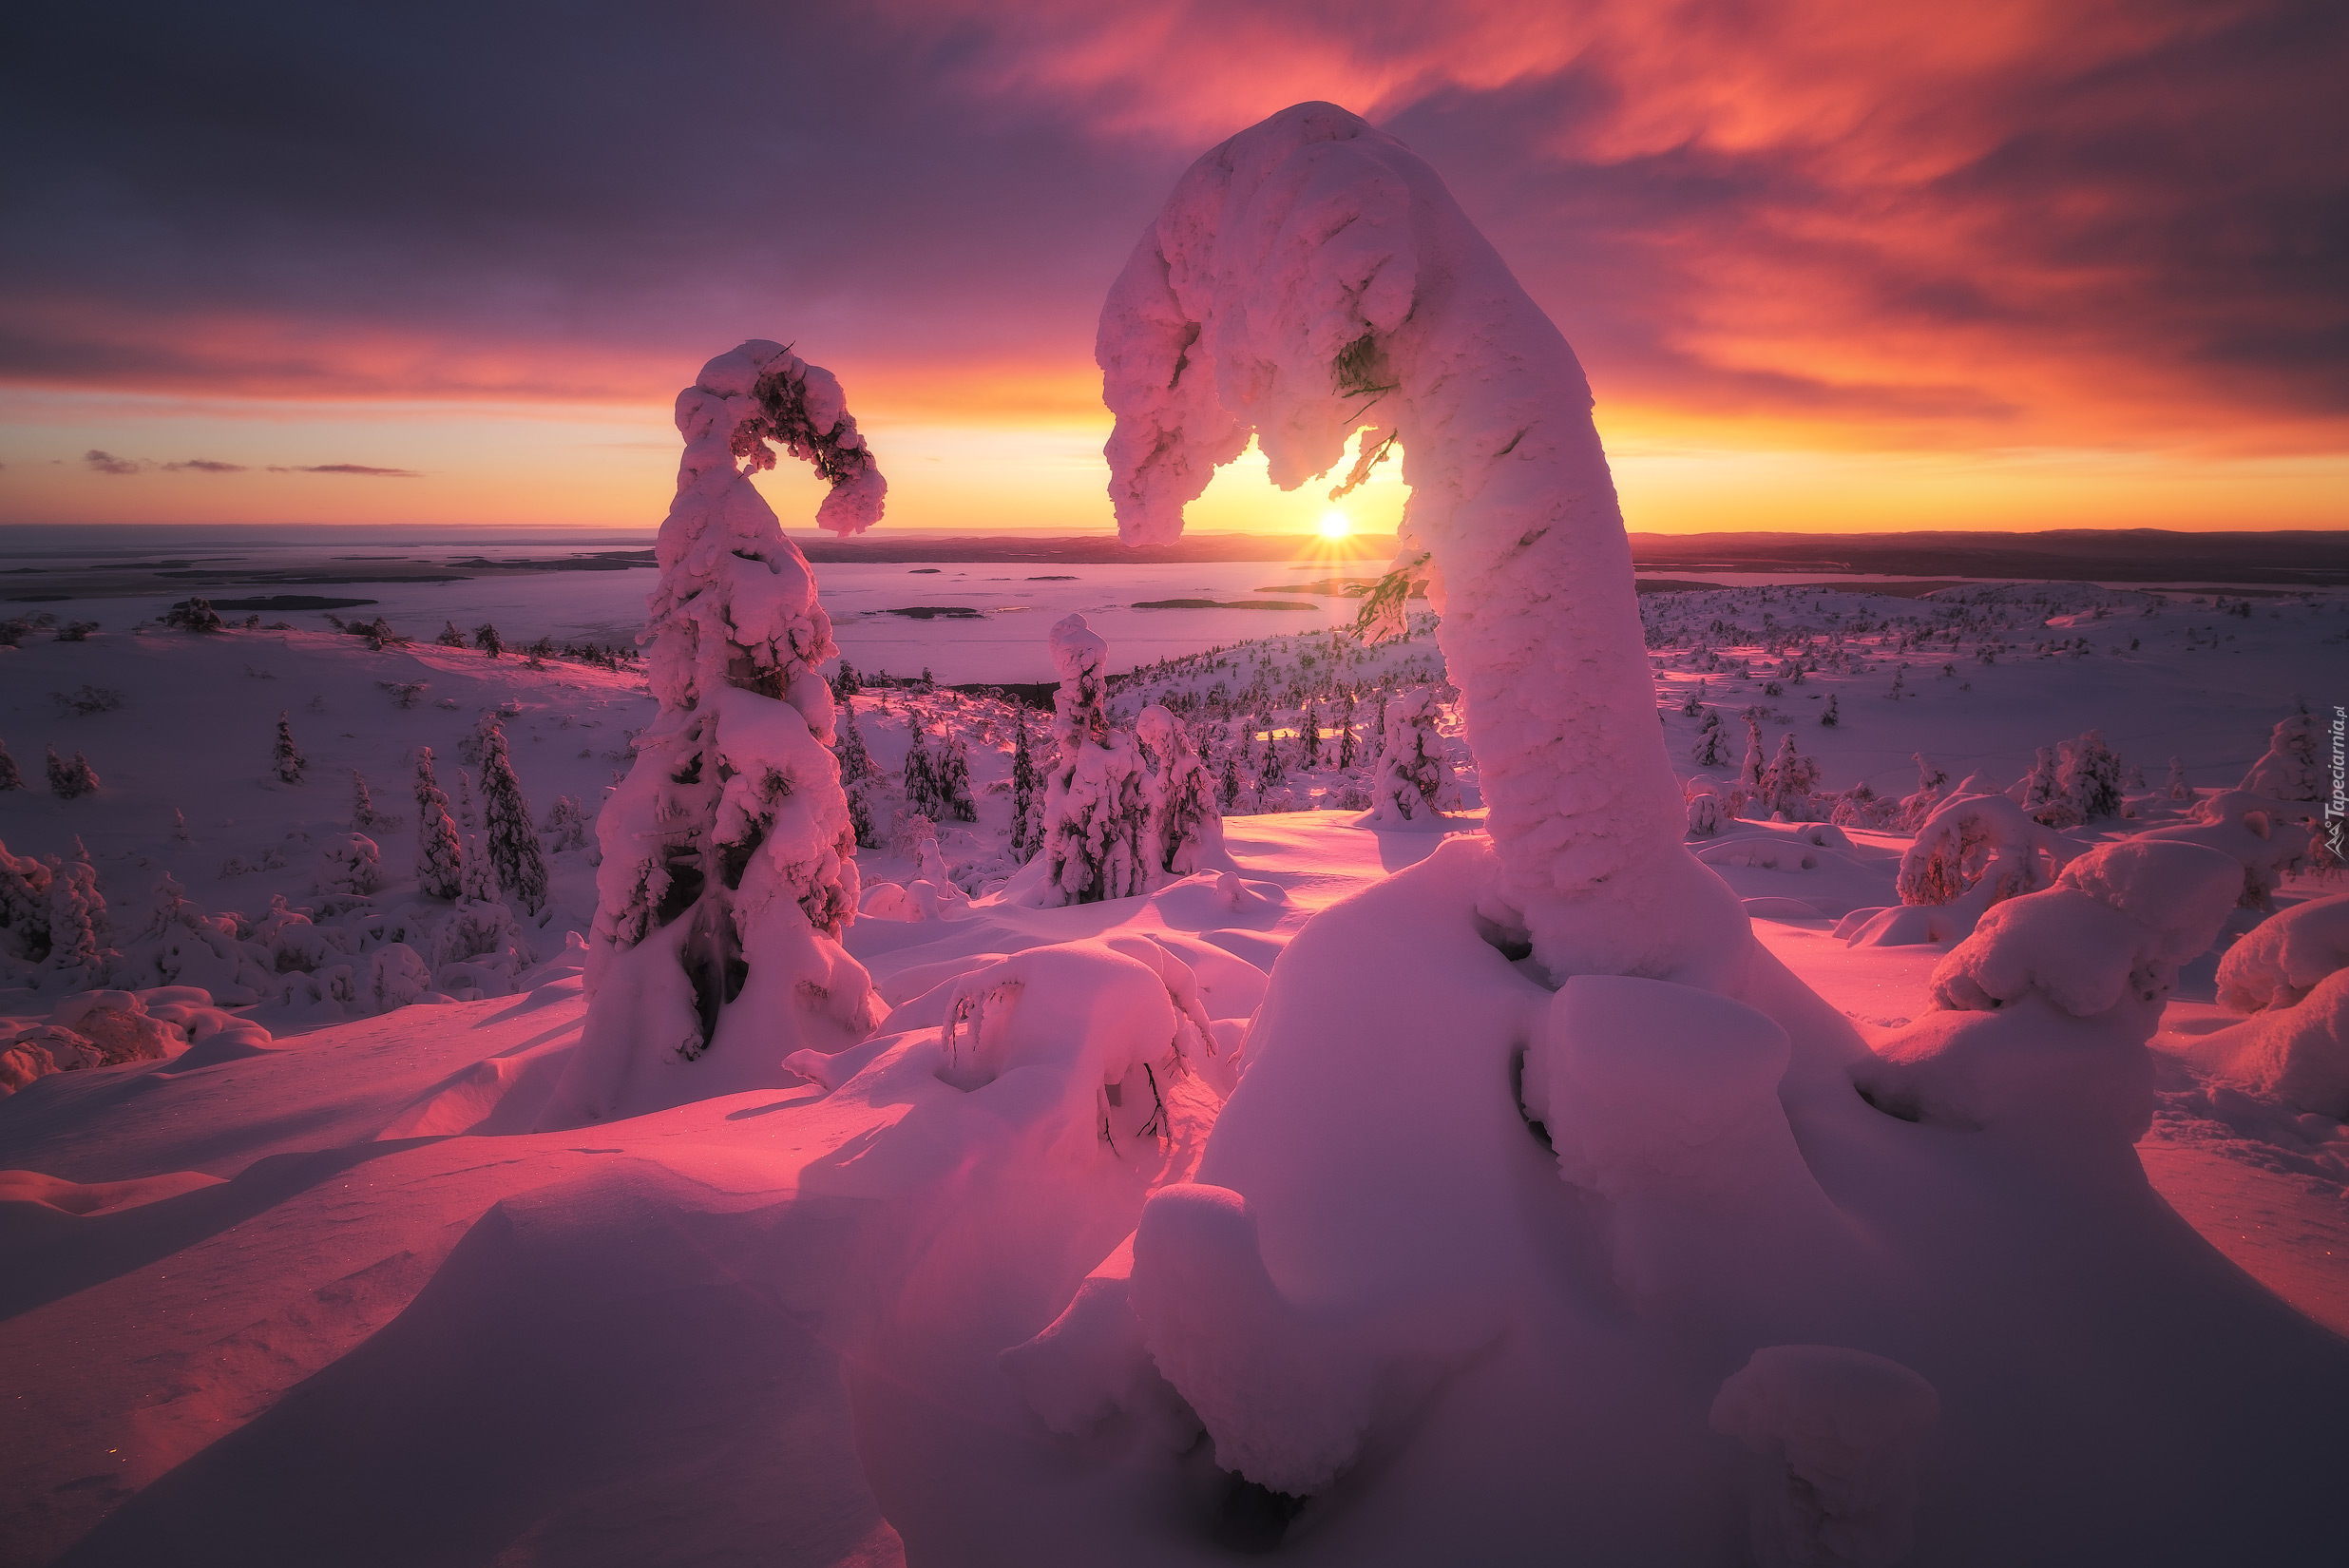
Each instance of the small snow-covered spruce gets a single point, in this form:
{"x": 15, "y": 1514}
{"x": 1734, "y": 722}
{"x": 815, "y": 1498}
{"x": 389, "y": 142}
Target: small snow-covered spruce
{"x": 1345, "y": 735}
{"x": 1093, "y": 812}
{"x": 2178, "y": 788}
{"x": 514, "y": 854}
{"x": 1026, "y": 795}
{"x": 439, "y": 860}
{"x": 729, "y": 862}
{"x": 1790, "y": 783}
{"x": 2089, "y": 778}
{"x": 362, "y": 803}
{"x": 1228, "y": 785}
{"x": 11, "y": 776}
{"x": 1412, "y": 781}
{"x": 486, "y": 638}
{"x": 2290, "y": 770}
{"x": 1750, "y": 774}
{"x": 1711, "y": 749}
{"x": 78, "y": 926}
{"x": 24, "y": 908}
{"x": 952, "y": 761}
{"x": 465, "y": 817}
{"x": 566, "y": 825}
{"x": 1185, "y": 832}
{"x": 449, "y": 637}
{"x": 919, "y": 776}
{"x": 858, "y": 775}
{"x": 1309, "y": 725}
{"x": 70, "y": 780}
{"x": 285, "y": 758}
{"x": 1828, "y": 715}
{"x": 179, "y": 828}
{"x": 1272, "y": 770}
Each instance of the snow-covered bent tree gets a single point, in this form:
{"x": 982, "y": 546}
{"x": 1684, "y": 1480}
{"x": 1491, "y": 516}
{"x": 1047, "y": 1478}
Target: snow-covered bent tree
{"x": 1314, "y": 275}
{"x": 729, "y": 858}
{"x": 1484, "y": 1228}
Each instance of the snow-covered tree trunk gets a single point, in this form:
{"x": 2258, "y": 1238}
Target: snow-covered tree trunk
{"x": 1313, "y": 276}
{"x": 1095, "y": 816}
{"x": 728, "y": 854}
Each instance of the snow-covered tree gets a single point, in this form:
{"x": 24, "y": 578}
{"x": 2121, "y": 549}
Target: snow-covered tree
{"x": 1093, "y": 812}
{"x": 1271, "y": 769}
{"x": 1790, "y": 783}
{"x": 919, "y": 776}
{"x": 450, "y": 637}
{"x": 285, "y": 758}
{"x": 515, "y": 857}
{"x": 1026, "y": 797}
{"x": 1412, "y": 781}
{"x": 1314, "y": 276}
{"x": 729, "y": 855}
{"x": 1711, "y": 749}
{"x": 567, "y": 825}
{"x": 2290, "y": 770}
{"x": 24, "y": 908}
{"x": 2089, "y": 778}
{"x": 78, "y": 924}
{"x": 349, "y": 863}
{"x": 1750, "y": 772}
{"x": 1346, "y": 733}
{"x": 486, "y": 638}
{"x": 1227, "y": 785}
{"x": 465, "y": 817}
{"x": 11, "y": 776}
{"x": 1915, "y": 809}
{"x": 179, "y": 828}
{"x": 2040, "y": 790}
{"x": 362, "y": 803}
{"x": 1829, "y": 716}
{"x": 857, "y": 773}
{"x": 2178, "y": 788}
{"x": 1185, "y": 831}
{"x": 1309, "y": 727}
{"x": 71, "y": 780}
{"x": 439, "y": 860}
{"x": 952, "y": 761}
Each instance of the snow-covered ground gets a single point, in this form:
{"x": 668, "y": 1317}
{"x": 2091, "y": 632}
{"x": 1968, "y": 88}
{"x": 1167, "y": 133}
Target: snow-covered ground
{"x": 318, "y": 1294}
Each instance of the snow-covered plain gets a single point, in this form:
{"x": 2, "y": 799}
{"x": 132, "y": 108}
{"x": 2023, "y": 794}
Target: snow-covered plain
{"x": 268, "y": 1304}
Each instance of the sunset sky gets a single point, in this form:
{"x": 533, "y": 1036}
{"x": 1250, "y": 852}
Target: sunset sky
{"x": 1828, "y": 265}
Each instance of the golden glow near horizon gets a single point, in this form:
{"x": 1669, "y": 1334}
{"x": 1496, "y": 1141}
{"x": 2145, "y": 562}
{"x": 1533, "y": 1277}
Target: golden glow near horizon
{"x": 605, "y": 464}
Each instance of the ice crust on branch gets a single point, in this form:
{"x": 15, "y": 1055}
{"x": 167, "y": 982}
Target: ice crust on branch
{"x": 729, "y": 866}
{"x": 1312, "y": 277}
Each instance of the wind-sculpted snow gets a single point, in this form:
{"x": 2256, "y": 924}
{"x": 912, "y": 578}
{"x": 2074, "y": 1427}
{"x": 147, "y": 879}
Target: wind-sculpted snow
{"x": 1313, "y": 276}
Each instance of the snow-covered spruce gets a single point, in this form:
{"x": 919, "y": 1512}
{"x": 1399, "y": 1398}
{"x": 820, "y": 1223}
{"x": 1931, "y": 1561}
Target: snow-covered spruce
{"x": 286, "y": 760}
{"x": 515, "y": 855}
{"x": 1313, "y": 276}
{"x": 437, "y": 855}
{"x": 1184, "y": 833}
{"x": 1412, "y": 782}
{"x": 1095, "y": 814}
{"x": 71, "y": 780}
{"x": 729, "y": 856}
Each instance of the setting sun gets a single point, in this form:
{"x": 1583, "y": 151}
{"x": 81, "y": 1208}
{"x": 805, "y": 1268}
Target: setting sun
{"x": 1335, "y": 525}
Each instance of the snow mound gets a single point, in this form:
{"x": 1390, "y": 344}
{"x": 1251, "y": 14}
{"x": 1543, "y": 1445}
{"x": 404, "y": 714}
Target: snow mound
{"x": 2286, "y": 957}
{"x": 1839, "y": 1433}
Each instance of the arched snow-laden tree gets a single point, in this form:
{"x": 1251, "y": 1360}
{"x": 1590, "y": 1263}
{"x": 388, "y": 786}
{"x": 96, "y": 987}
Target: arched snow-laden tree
{"x": 729, "y": 858}
{"x": 1314, "y": 275}
{"x": 1093, "y": 812}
